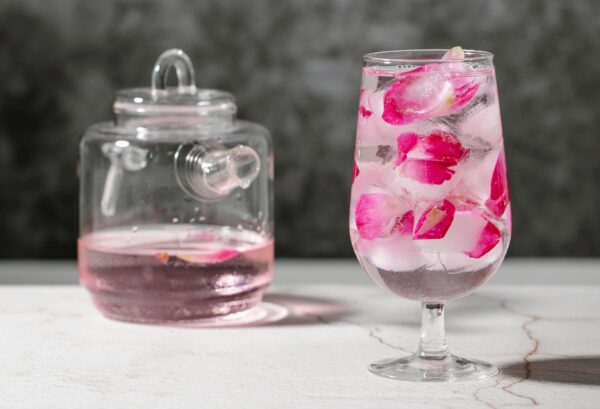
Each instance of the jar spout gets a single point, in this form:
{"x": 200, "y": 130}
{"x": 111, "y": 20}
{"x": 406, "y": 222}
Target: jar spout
{"x": 210, "y": 173}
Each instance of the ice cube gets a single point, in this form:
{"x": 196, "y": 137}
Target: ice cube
{"x": 483, "y": 126}
{"x": 462, "y": 236}
{"x": 477, "y": 176}
{"x": 373, "y": 178}
{"x": 395, "y": 253}
{"x": 423, "y": 192}
{"x": 372, "y": 130}
{"x": 380, "y": 153}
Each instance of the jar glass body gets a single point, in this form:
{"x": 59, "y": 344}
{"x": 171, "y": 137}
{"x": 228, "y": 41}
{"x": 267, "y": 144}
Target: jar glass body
{"x": 151, "y": 249}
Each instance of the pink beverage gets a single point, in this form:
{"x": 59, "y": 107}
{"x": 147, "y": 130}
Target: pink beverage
{"x": 163, "y": 273}
{"x": 430, "y": 216}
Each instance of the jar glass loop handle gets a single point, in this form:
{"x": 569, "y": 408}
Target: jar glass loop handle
{"x": 174, "y": 58}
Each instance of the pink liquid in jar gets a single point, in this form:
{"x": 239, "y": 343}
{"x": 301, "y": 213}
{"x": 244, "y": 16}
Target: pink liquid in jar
{"x": 171, "y": 273}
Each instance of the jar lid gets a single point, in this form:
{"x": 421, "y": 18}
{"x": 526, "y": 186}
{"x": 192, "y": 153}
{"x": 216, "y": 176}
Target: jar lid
{"x": 180, "y": 106}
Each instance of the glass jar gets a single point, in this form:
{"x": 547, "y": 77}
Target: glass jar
{"x": 176, "y": 204}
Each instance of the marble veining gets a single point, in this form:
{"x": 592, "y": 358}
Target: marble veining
{"x": 56, "y": 351}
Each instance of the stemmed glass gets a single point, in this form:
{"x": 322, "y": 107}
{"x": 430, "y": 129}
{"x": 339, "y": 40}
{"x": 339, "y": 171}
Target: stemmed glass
{"x": 430, "y": 216}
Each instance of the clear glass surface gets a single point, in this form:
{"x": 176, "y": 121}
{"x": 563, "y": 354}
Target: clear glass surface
{"x": 176, "y": 204}
{"x": 430, "y": 216}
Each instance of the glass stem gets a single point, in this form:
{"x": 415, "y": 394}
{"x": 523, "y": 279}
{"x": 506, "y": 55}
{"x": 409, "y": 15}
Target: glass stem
{"x": 433, "y": 333}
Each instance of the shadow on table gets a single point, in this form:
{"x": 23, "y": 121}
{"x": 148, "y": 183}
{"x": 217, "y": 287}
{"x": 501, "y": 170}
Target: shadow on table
{"x": 582, "y": 370}
{"x": 303, "y": 310}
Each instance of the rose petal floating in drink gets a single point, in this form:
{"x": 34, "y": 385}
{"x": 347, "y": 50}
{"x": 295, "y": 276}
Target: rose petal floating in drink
{"x": 377, "y": 215}
{"x": 499, "y": 195}
{"x": 435, "y": 221}
{"x": 490, "y": 236}
{"x": 162, "y": 257}
{"x": 428, "y": 91}
{"x": 209, "y": 257}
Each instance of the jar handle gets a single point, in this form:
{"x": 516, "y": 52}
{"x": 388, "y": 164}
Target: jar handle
{"x": 183, "y": 68}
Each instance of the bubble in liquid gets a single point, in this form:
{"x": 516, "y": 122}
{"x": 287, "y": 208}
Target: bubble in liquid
{"x": 193, "y": 220}
{"x": 134, "y": 229}
{"x": 175, "y": 220}
{"x": 197, "y": 209}
{"x": 201, "y": 218}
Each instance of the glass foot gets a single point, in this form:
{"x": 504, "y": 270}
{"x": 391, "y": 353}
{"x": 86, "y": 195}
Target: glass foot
{"x": 448, "y": 368}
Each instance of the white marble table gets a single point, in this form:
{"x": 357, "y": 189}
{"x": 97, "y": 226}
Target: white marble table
{"x": 56, "y": 351}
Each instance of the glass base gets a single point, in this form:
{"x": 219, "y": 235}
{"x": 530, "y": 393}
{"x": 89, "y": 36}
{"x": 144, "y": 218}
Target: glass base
{"x": 174, "y": 308}
{"x": 448, "y": 368}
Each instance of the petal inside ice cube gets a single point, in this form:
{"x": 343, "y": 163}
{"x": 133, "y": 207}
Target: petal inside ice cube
{"x": 364, "y": 112}
{"x": 376, "y": 214}
{"x": 418, "y": 94}
{"x": 499, "y": 195}
{"x": 430, "y": 90}
{"x": 428, "y": 171}
{"x": 490, "y": 236}
{"x": 405, "y": 142}
{"x": 355, "y": 171}
{"x": 461, "y": 237}
{"x": 435, "y": 221}
{"x": 404, "y": 224}
{"x": 443, "y": 145}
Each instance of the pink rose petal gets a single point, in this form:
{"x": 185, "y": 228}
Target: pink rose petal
{"x": 404, "y": 224}
{"x": 499, "y": 194}
{"x": 405, "y": 142}
{"x": 435, "y": 221}
{"x": 437, "y": 152}
{"x": 455, "y": 53}
{"x": 488, "y": 239}
{"x": 418, "y": 94}
{"x": 355, "y": 171}
{"x": 209, "y": 257}
{"x": 429, "y": 90}
{"x": 374, "y": 214}
{"x": 428, "y": 171}
{"x": 364, "y": 112}
{"x": 443, "y": 145}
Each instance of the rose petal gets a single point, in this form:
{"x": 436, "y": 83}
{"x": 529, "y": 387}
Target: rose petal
{"x": 364, "y": 112}
{"x": 435, "y": 221}
{"x": 488, "y": 239}
{"x": 455, "y": 53}
{"x": 355, "y": 171}
{"x": 426, "y": 171}
{"x": 418, "y": 96}
{"x": 499, "y": 194}
{"x": 443, "y": 145}
{"x": 209, "y": 257}
{"x": 374, "y": 214}
{"x": 162, "y": 257}
{"x": 463, "y": 94}
{"x": 404, "y": 224}
{"x": 405, "y": 142}
{"x": 430, "y": 90}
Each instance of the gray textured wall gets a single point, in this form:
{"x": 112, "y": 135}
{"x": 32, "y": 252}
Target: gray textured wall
{"x": 295, "y": 66}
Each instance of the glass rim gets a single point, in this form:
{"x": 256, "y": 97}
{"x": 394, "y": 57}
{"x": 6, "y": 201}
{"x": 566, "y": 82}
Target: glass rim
{"x": 423, "y": 55}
